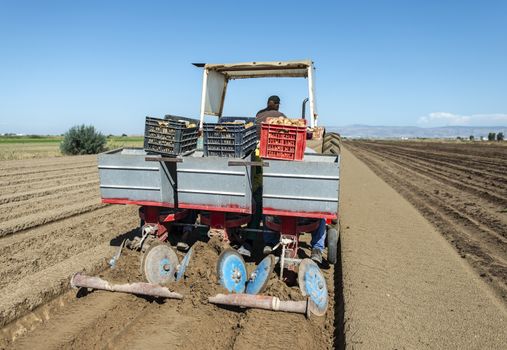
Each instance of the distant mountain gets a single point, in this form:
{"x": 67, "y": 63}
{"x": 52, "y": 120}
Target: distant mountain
{"x": 386, "y": 132}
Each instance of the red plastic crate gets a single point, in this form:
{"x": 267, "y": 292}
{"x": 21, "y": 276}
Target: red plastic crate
{"x": 282, "y": 141}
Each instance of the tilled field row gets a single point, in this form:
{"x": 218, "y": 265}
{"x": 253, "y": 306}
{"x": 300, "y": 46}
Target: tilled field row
{"x": 53, "y": 229}
{"x": 35, "y": 265}
{"x": 482, "y": 196}
{"x": 24, "y": 222}
{"x": 13, "y": 210}
{"x": 39, "y": 248}
{"x": 44, "y": 165}
{"x": 473, "y": 220}
{"x": 475, "y": 152}
{"x": 22, "y": 195}
{"x": 60, "y": 175}
{"x": 493, "y": 171}
{"x": 44, "y": 184}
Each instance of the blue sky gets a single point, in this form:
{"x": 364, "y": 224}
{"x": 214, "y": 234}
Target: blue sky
{"x": 109, "y": 64}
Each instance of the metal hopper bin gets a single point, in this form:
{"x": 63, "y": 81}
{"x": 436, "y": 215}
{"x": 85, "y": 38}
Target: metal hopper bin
{"x": 126, "y": 177}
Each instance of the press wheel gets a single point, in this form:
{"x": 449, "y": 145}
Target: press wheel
{"x": 159, "y": 264}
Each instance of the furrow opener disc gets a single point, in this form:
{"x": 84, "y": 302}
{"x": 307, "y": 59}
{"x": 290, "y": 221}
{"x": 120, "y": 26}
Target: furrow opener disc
{"x": 159, "y": 264}
{"x": 312, "y": 283}
{"x": 184, "y": 264}
{"x": 260, "y": 277}
{"x": 231, "y": 270}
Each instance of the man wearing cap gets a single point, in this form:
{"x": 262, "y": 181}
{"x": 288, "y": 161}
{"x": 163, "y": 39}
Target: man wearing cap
{"x": 271, "y": 111}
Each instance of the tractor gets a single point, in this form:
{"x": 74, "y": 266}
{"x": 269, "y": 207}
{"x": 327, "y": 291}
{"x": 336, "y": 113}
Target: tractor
{"x": 196, "y": 174}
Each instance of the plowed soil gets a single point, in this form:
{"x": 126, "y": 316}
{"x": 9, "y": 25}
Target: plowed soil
{"x": 461, "y": 188}
{"x": 54, "y": 225}
{"x": 404, "y": 287}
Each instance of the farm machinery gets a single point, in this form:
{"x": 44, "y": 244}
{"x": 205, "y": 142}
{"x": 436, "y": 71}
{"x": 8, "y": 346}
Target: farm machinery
{"x": 180, "y": 182}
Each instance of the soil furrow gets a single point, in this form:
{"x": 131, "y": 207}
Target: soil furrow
{"x": 44, "y": 184}
{"x": 23, "y": 208}
{"x": 45, "y": 217}
{"x": 42, "y": 172}
{"x": 47, "y": 191}
{"x": 445, "y": 165}
{"x": 39, "y": 177}
{"x": 478, "y": 183}
{"x": 39, "y": 248}
{"x": 495, "y": 165}
{"x": 489, "y": 222}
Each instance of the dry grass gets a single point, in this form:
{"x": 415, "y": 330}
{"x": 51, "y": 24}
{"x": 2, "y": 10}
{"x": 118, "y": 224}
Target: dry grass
{"x": 44, "y": 147}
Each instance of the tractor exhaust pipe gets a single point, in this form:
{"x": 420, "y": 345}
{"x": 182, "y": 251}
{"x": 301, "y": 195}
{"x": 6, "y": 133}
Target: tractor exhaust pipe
{"x": 262, "y": 302}
{"x": 141, "y": 288}
{"x": 303, "y": 108}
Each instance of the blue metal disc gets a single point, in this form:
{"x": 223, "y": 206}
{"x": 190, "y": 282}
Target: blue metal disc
{"x": 184, "y": 264}
{"x": 312, "y": 283}
{"x": 159, "y": 264}
{"x": 260, "y": 277}
{"x": 232, "y": 271}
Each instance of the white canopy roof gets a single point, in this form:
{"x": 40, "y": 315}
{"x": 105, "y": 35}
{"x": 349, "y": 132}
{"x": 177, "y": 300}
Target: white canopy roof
{"x": 289, "y": 69}
{"x": 216, "y": 77}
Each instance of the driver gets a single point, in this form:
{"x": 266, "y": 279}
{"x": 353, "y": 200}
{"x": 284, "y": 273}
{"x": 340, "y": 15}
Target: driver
{"x": 271, "y": 111}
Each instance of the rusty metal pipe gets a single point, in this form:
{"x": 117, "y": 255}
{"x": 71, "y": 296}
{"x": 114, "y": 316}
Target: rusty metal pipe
{"x": 141, "y": 288}
{"x": 261, "y": 302}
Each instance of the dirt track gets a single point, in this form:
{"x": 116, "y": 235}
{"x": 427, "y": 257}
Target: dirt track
{"x": 460, "y": 188}
{"x": 405, "y": 287}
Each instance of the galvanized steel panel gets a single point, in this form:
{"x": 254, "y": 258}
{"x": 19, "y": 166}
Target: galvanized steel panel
{"x": 308, "y": 186}
{"x": 209, "y": 182}
{"x": 125, "y": 174}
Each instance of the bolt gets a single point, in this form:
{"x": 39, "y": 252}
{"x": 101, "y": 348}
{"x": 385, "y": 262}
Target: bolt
{"x": 236, "y": 275}
{"x": 166, "y": 267}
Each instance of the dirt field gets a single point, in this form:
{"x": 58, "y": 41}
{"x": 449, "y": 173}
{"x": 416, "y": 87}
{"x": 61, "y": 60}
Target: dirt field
{"x": 403, "y": 286}
{"x": 460, "y": 188}
{"x": 53, "y": 225}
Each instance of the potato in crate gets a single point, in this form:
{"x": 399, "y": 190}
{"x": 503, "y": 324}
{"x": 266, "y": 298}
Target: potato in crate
{"x": 229, "y": 139}
{"x": 171, "y": 136}
{"x": 283, "y": 138}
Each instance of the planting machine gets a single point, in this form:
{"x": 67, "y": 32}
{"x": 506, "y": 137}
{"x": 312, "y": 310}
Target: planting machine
{"x": 215, "y": 182}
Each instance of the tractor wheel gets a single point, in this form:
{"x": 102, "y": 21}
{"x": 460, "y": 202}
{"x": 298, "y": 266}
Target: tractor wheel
{"x": 333, "y": 235}
{"x": 331, "y": 144}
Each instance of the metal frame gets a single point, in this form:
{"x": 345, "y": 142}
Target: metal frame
{"x": 249, "y": 70}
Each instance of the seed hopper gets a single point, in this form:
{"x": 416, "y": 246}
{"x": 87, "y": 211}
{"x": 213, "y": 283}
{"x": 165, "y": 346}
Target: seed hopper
{"x": 297, "y": 196}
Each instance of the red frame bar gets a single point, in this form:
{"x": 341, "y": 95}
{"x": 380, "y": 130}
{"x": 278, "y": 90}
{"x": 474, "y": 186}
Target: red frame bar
{"x": 289, "y": 226}
{"x": 213, "y": 219}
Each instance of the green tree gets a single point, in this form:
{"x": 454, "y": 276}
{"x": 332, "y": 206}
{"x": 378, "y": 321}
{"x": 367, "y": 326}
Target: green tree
{"x": 491, "y": 136}
{"x": 471, "y": 137}
{"x": 82, "y": 139}
{"x": 499, "y": 136}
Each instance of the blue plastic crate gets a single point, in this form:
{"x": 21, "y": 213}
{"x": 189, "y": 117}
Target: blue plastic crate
{"x": 228, "y": 140}
{"x": 170, "y": 136}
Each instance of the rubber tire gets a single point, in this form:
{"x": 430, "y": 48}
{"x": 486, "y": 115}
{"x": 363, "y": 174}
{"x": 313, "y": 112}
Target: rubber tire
{"x": 333, "y": 235}
{"x": 331, "y": 144}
